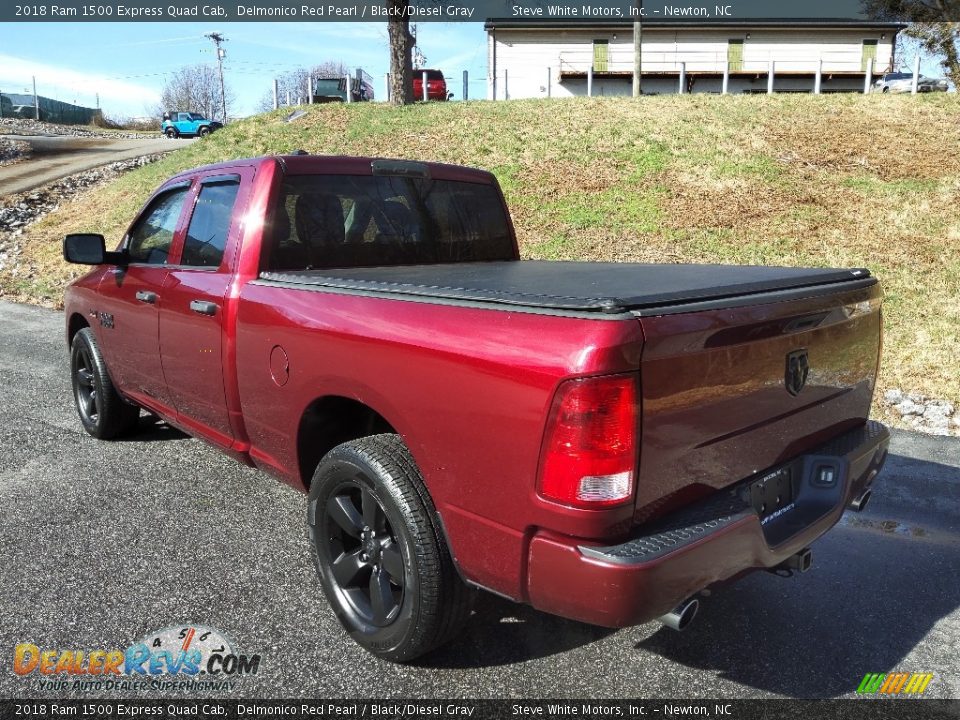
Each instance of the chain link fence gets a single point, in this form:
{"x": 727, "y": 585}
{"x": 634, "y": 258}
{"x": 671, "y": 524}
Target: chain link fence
{"x": 29, "y": 106}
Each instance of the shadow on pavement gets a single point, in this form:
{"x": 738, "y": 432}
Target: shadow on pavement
{"x": 874, "y": 593}
{"x": 503, "y": 633}
{"x": 153, "y": 429}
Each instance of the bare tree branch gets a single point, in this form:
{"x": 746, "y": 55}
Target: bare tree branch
{"x": 195, "y": 89}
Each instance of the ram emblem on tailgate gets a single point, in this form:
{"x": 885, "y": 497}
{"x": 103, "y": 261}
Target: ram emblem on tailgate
{"x": 798, "y": 367}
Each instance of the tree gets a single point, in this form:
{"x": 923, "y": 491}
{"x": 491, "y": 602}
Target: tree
{"x": 401, "y": 48}
{"x": 195, "y": 89}
{"x": 933, "y": 23}
{"x": 295, "y": 82}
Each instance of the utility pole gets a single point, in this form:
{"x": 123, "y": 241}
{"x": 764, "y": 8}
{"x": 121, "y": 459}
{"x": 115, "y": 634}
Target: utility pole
{"x": 217, "y": 39}
{"x": 637, "y": 38}
{"x": 419, "y": 59}
{"x": 36, "y": 99}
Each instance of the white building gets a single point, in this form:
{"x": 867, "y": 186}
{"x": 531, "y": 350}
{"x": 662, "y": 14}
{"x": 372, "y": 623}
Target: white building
{"x": 534, "y": 59}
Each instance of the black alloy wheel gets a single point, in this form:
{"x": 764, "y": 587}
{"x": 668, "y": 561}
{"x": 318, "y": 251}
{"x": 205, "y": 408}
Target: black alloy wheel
{"x": 383, "y": 564}
{"x": 103, "y": 412}
{"x": 367, "y": 563}
{"x": 85, "y": 387}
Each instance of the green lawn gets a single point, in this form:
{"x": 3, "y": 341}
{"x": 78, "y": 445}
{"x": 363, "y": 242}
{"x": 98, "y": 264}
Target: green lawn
{"x": 786, "y": 180}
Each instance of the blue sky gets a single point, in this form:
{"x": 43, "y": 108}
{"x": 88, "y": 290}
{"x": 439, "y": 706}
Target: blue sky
{"x": 126, "y": 63}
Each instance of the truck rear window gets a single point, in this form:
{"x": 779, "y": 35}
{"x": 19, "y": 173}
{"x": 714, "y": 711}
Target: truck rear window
{"x": 334, "y": 221}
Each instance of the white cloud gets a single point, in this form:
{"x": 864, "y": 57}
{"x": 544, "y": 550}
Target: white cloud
{"x": 63, "y": 83}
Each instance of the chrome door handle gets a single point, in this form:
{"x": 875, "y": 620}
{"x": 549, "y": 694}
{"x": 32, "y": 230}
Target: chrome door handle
{"x": 203, "y": 307}
{"x": 146, "y": 296}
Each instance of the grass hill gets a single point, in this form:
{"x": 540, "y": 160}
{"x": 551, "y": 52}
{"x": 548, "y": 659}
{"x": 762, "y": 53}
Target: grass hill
{"x": 785, "y": 180}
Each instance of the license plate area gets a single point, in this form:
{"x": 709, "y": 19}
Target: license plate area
{"x": 773, "y": 492}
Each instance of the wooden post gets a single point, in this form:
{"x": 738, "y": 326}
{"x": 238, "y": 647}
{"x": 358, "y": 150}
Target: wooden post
{"x": 590, "y": 80}
{"x": 426, "y": 89}
{"x": 868, "y": 77}
{"x": 770, "y": 75}
{"x": 818, "y": 78}
{"x": 916, "y": 76}
{"x": 683, "y": 78}
{"x": 276, "y": 94}
{"x": 726, "y": 79}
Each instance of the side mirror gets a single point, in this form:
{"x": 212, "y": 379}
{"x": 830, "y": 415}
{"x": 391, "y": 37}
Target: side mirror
{"x": 89, "y": 249}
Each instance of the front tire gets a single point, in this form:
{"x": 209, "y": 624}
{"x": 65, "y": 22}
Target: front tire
{"x": 103, "y": 412}
{"x": 384, "y": 567}
{"x": 204, "y": 131}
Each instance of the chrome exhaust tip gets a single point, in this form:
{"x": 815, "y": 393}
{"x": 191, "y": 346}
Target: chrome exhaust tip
{"x": 681, "y": 616}
{"x": 859, "y": 504}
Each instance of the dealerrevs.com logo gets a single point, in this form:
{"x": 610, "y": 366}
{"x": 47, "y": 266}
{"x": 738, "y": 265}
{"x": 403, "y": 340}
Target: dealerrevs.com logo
{"x": 188, "y": 657}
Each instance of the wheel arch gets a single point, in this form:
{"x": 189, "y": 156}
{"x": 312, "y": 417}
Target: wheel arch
{"x": 328, "y": 421}
{"x": 76, "y": 323}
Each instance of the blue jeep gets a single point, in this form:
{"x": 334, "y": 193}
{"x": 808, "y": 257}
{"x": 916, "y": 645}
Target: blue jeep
{"x": 187, "y": 124}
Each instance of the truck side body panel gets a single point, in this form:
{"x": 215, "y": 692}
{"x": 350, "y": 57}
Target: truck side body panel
{"x": 469, "y": 396}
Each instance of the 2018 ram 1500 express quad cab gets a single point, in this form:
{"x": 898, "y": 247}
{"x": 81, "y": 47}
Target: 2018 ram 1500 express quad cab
{"x": 601, "y": 441}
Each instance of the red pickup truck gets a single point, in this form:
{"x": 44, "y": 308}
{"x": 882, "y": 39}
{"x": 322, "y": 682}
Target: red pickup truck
{"x": 599, "y": 440}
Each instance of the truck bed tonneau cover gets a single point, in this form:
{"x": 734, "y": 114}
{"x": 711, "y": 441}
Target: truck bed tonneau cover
{"x": 580, "y": 286}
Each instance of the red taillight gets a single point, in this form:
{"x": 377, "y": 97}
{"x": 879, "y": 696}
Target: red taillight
{"x": 589, "y": 452}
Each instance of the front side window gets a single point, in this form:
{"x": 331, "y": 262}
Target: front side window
{"x": 207, "y": 234}
{"x": 150, "y": 240}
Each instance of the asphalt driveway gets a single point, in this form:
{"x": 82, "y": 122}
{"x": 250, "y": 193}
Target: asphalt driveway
{"x": 57, "y": 156}
{"x": 103, "y": 543}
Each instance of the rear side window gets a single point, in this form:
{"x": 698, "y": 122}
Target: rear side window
{"x": 207, "y": 234}
{"x": 150, "y": 239}
{"x": 364, "y": 221}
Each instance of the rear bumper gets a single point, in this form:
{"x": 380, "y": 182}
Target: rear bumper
{"x": 658, "y": 568}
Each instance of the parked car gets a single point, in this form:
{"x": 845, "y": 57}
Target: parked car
{"x": 334, "y": 89}
{"x": 902, "y": 82}
{"x": 599, "y": 440}
{"x": 436, "y": 85}
{"x": 187, "y": 124}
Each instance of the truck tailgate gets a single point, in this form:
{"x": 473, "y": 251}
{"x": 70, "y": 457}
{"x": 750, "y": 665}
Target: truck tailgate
{"x": 721, "y": 388}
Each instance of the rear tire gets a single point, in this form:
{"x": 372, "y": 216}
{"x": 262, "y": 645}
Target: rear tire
{"x": 172, "y": 133}
{"x": 103, "y": 412}
{"x": 384, "y": 567}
